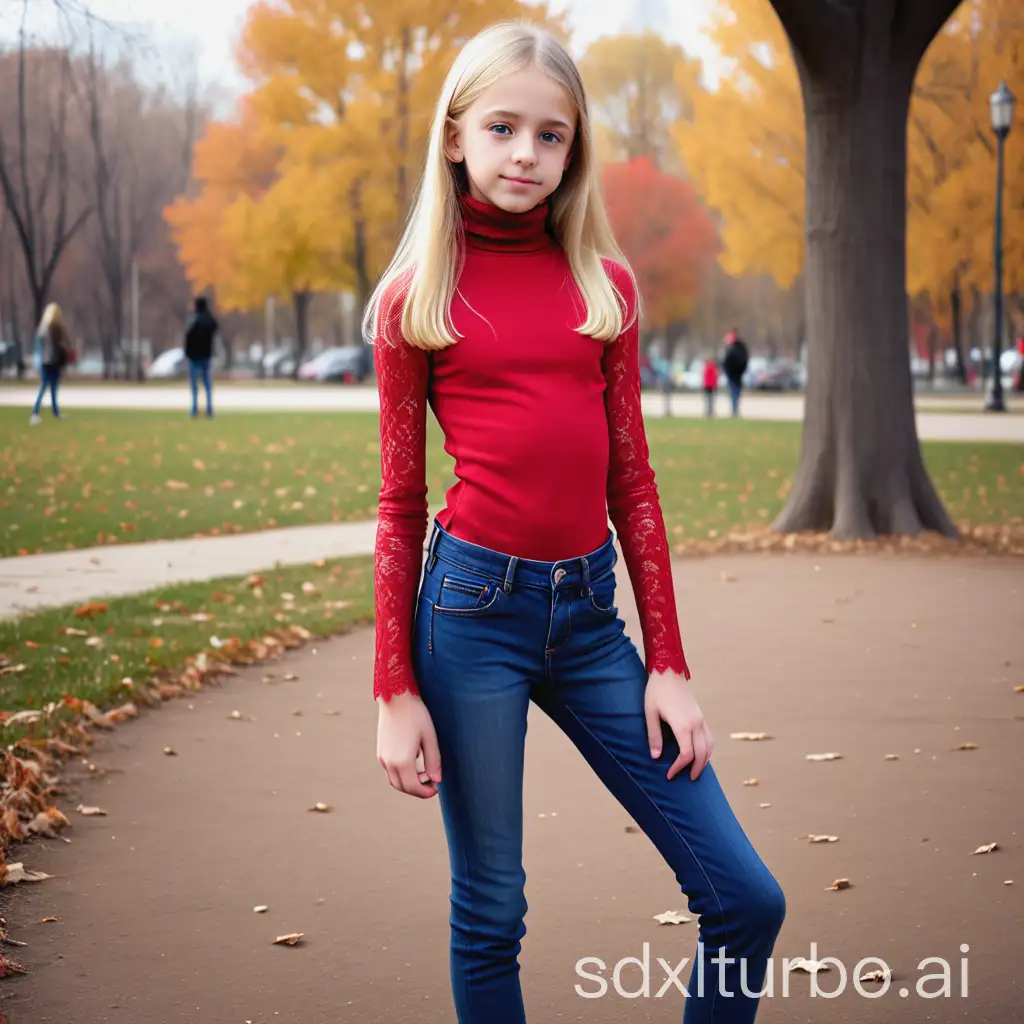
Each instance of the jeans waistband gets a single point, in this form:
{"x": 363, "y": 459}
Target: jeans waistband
{"x": 511, "y": 570}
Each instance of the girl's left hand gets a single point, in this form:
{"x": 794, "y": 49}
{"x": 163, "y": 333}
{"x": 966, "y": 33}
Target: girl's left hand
{"x": 669, "y": 697}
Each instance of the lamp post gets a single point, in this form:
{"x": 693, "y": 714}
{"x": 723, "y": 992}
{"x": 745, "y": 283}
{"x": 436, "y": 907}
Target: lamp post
{"x": 1002, "y": 102}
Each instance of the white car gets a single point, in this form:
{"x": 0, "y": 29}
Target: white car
{"x": 168, "y": 365}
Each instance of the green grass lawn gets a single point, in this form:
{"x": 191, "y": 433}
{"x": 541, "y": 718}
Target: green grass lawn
{"x": 107, "y": 657}
{"x": 127, "y": 476}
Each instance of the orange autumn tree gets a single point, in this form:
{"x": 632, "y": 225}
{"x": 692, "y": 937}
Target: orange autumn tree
{"x": 234, "y": 159}
{"x": 666, "y": 234}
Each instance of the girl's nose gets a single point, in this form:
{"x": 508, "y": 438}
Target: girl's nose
{"x": 525, "y": 155}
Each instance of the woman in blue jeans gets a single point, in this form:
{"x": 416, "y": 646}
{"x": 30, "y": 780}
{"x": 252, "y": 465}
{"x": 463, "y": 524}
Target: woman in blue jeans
{"x": 53, "y": 351}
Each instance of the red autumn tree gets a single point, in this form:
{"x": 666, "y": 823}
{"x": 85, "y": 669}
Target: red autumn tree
{"x": 666, "y": 234}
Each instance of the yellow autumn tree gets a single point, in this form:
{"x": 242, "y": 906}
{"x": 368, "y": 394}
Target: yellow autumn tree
{"x": 639, "y": 85}
{"x": 349, "y": 90}
{"x": 952, "y": 158}
{"x": 231, "y": 160}
{"x": 744, "y": 144}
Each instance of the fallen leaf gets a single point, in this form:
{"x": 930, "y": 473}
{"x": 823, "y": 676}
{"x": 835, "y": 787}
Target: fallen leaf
{"x": 320, "y": 808}
{"x": 763, "y": 806}
{"x": 749, "y": 736}
{"x": 1009, "y": 881}
{"x": 1018, "y": 689}
{"x": 810, "y": 966}
{"x": 751, "y": 782}
{"x": 90, "y": 610}
{"x": 176, "y": 485}
{"x": 48, "y": 920}
{"x": 170, "y": 752}
{"x": 11, "y": 670}
{"x": 91, "y": 812}
{"x": 671, "y": 917}
{"x": 201, "y": 617}
{"x": 308, "y": 588}
{"x": 839, "y": 883}
{"x": 11, "y": 873}
{"x": 966, "y": 746}
{"x": 47, "y": 823}
{"x": 72, "y": 631}
{"x": 288, "y": 940}
{"x": 236, "y": 715}
{"x": 260, "y": 910}
{"x": 881, "y": 974}
{"x": 823, "y": 757}
{"x": 987, "y": 848}
{"x": 892, "y": 757}
{"x": 813, "y": 838}
{"x": 290, "y": 677}
{"x": 94, "y": 641}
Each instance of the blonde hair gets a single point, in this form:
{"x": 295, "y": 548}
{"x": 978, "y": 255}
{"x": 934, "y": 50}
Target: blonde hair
{"x": 51, "y": 315}
{"x": 430, "y": 255}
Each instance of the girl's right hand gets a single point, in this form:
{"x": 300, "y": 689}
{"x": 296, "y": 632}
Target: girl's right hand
{"x": 405, "y": 731}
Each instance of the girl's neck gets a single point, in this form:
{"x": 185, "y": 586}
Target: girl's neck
{"x": 491, "y": 229}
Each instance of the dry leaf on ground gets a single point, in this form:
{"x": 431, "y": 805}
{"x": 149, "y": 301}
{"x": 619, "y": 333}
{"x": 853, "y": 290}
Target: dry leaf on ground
{"x": 801, "y": 963}
{"x": 48, "y": 920}
{"x": 815, "y": 838}
{"x": 753, "y": 736}
{"x": 839, "y": 883}
{"x": 289, "y": 940}
{"x": 320, "y": 808}
{"x": 91, "y": 812}
{"x": 823, "y": 757}
{"x": 90, "y": 610}
{"x": 987, "y": 848}
{"x": 11, "y": 873}
{"x": 892, "y": 757}
{"x": 671, "y": 917}
{"x": 170, "y": 752}
{"x": 260, "y": 909}
{"x": 751, "y": 782}
{"x": 881, "y": 974}
{"x": 966, "y": 746}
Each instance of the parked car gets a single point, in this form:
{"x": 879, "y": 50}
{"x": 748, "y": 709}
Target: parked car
{"x": 279, "y": 362}
{"x": 351, "y": 364}
{"x": 168, "y": 365}
{"x": 780, "y": 375}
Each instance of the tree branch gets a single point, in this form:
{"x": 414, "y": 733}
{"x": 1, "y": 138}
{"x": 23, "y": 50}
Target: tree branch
{"x": 816, "y": 27}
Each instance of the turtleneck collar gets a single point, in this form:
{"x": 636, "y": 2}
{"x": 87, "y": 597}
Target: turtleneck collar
{"x": 491, "y": 229}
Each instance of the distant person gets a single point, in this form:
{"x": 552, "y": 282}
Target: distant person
{"x": 735, "y": 365}
{"x": 53, "y": 351}
{"x": 710, "y": 385}
{"x": 199, "y": 335}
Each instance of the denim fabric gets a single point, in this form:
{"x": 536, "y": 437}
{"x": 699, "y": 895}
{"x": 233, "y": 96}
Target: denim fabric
{"x": 200, "y": 369}
{"x": 50, "y": 379}
{"x": 493, "y": 632}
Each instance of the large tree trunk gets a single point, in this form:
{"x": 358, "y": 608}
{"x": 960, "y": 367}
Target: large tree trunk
{"x": 301, "y": 301}
{"x": 956, "y": 314}
{"x": 860, "y": 472}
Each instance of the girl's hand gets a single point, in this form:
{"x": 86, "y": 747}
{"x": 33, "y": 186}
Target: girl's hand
{"x": 669, "y": 697}
{"x": 407, "y": 745}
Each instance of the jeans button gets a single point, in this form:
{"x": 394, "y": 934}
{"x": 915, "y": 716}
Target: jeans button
{"x": 559, "y": 575}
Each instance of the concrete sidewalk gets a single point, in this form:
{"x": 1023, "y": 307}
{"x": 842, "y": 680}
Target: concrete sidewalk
{"x": 38, "y": 581}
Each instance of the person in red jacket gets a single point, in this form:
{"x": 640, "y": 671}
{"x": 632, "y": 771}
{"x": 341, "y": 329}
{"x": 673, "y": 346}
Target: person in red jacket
{"x": 710, "y": 384}
{"x": 509, "y": 310}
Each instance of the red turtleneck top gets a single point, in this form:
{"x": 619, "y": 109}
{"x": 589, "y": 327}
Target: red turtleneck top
{"x": 544, "y": 425}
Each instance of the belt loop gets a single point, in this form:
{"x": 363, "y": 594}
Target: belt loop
{"x": 585, "y": 570}
{"x": 510, "y": 574}
{"x": 432, "y": 550}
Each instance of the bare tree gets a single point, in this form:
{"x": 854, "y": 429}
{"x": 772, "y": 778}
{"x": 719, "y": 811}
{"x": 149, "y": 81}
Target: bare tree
{"x": 35, "y": 177}
{"x": 861, "y": 471}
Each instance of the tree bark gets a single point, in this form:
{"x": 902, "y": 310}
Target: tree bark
{"x": 860, "y": 473}
{"x": 301, "y": 301}
{"x": 956, "y": 315}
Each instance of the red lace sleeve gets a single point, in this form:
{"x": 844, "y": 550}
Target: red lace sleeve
{"x": 633, "y": 504}
{"x": 402, "y": 377}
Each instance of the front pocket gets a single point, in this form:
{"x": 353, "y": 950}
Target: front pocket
{"x": 463, "y": 594}
{"x": 602, "y": 597}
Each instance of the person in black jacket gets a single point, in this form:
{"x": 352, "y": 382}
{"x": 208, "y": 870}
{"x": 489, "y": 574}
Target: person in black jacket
{"x": 199, "y": 335}
{"x": 735, "y": 366}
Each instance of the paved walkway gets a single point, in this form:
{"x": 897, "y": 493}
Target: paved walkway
{"x": 37, "y": 581}
{"x": 934, "y": 426}
{"x": 154, "y": 903}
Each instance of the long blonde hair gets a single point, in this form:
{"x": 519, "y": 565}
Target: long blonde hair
{"x": 51, "y": 315}
{"x": 430, "y": 255}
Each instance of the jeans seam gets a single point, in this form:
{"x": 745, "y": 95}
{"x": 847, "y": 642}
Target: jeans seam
{"x": 679, "y": 836}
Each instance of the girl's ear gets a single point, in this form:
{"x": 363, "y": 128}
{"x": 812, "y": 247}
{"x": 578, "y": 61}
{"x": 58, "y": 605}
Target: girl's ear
{"x": 452, "y": 142}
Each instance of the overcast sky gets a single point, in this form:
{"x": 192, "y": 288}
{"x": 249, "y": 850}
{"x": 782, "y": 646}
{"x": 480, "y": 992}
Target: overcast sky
{"x": 213, "y": 26}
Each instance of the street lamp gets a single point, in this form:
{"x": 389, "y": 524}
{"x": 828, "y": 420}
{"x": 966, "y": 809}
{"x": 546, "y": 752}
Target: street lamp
{"x": 1002, "y": 102}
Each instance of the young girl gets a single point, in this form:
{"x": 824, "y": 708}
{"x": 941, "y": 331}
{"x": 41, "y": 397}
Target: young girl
{"x": 510, "y": 311}
{"x": 52, "y": 354}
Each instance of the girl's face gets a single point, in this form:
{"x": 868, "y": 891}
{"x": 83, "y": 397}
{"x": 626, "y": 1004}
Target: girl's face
{"x": 516, "y": 140}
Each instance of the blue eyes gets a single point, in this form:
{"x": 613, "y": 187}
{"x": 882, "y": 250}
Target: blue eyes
{"x": 551, "y": 137}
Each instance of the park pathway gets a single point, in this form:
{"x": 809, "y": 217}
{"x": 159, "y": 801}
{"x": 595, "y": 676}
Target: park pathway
{"x": 864, "y": 656}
